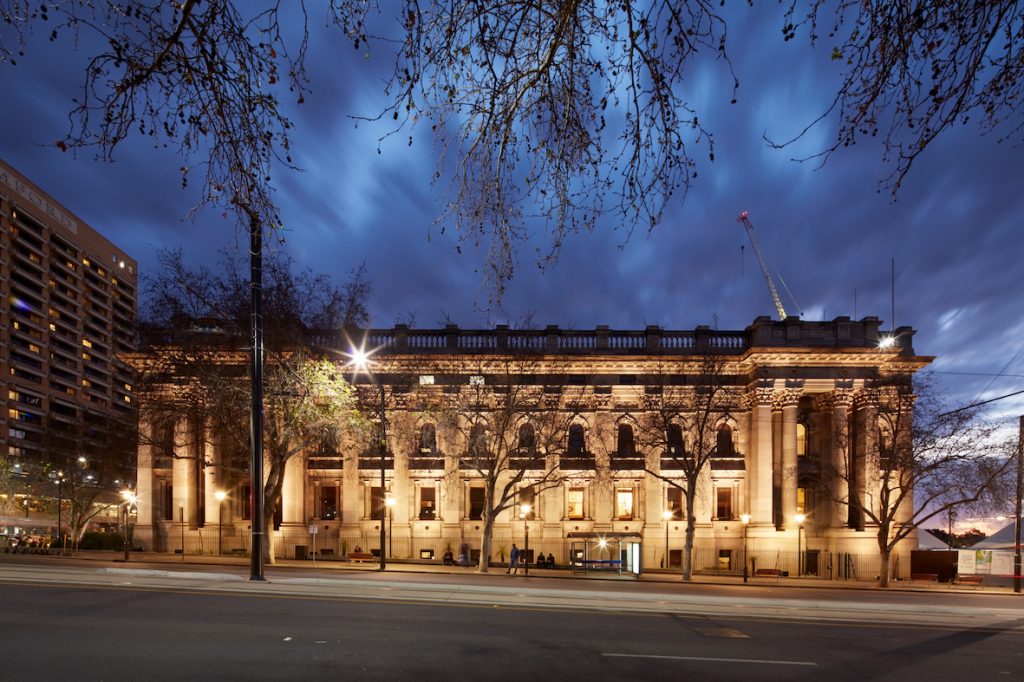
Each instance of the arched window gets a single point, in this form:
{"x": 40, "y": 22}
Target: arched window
{"x": 428, "y": 438}
{"x": 674, "y": 438}
{"x": 577, "y": 439}
{"x": 801, "y": 440}
{"x": 527, "y": 438}
{"x": 723, "y": 446}
{"x": 626, "y": 444}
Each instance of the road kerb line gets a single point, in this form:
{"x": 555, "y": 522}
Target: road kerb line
{"x": 711, "y": 659}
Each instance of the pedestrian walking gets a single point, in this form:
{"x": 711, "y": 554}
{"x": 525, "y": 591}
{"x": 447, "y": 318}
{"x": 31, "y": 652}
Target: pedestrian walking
{"x": 513, "y": 560}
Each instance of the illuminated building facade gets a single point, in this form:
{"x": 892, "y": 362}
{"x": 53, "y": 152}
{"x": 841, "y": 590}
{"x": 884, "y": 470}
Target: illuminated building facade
{"x": 794, "y": 398}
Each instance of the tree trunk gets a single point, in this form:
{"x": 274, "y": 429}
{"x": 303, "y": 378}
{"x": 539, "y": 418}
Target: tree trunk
{"x": 883, "y": 569}
{"x": 691, "y": 492}
{"x": 485, "y": 542}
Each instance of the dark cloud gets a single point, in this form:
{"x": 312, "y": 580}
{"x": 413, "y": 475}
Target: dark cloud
{"x": 953, "y": 229}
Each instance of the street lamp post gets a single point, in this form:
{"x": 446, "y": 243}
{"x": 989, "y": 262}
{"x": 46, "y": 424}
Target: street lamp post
{"x": 667, "y": 515}
{"x": 220, "y": 495}
{"x": 390, "y": 501}
{"x": 746, "y": 525}
{"x": 799, "y": 518}
{"x": 129, "y": 500}
{"x": 60, "y": 508}
{"x": 361, "y": 361}
{"x": 524, "y": 512}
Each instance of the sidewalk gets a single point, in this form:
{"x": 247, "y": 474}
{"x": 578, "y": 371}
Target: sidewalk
{"x": 397, "y": 566}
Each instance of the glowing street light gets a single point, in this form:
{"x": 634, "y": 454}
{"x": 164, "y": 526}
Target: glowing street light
{"x": 745, "y": 518}
{"x": 667, "y": 515}
{"x": 220, "y": 496}
{"x": 799, "y": 518}
{"x": 359, "y": 358}
{"x": 390, "y": 502}
{"x": 129, "y": 499}
{"x": 524, "y": 514}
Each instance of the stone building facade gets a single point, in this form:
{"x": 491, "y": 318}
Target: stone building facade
{"x": 792, "y": 390}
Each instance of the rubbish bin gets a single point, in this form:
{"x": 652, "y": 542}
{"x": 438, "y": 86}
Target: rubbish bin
{"x": 301, "y": 551}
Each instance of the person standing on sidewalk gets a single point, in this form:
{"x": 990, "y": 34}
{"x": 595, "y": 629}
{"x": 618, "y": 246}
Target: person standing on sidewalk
{"x": 513, "y": 560}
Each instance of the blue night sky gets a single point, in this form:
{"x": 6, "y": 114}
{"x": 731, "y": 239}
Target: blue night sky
{"x": 952, "y": 230}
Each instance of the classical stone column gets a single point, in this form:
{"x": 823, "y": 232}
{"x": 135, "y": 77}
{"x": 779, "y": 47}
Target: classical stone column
{"x": 293, "y": 494}
{"x": 144, "y": 485}
{"x": 788, "y": 401}
{"x": 183, "y": 495}
{"x": 903, "y": 447}
{"x": 761, "y": 468}
{"x": 841, "y": 401}
{"x": 866, "y": 454}
{"x": 212, "y": 476}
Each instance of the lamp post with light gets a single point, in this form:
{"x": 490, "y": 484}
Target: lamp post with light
{"x": 360, "y": 359}
{"x": 390, "y": 502}
{"x": 129, "y": 499}
{"x": 524, "y": 514}
{"x": 799, "y": 518}
{"x": 745, "y": 518}
{"x": 220, "y": 496}
{"x": 60, "y": 508}
{"x": 667, "y": 515}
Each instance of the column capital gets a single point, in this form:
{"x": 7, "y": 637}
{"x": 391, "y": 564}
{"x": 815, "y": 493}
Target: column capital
{"x": 789, "y": 397}
{"x": 867, "y": 398}
{"x": 839, "y": 398}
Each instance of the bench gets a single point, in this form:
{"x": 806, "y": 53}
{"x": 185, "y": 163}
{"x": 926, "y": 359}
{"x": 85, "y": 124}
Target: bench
{"x": 361, "y": 556}
{"x": 924, "y": 577}
{"x": 600, "y": 564}
{"x": 768, "y": 573}
{"x": 972, "y": 580}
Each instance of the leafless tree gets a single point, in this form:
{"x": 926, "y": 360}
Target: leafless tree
{"x": 915, "y": 70}
{"x": 683, "y": 425}
{"x": 544, "y": 114}
{"x": 918, "y": 462}
{"x": 193, "y": 366}
{"x": 508, "y": 432}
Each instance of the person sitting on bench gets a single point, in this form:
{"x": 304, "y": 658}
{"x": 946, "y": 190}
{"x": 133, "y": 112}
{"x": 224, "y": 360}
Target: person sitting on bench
{"x": 448, "y": 559}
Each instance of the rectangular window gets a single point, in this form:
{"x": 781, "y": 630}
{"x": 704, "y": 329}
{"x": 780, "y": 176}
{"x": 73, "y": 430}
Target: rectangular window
{"x": 245, "y": 503}
{"x": 476, "y": 503}
{"x": 527, "y": 497}
{"x": 428, "y": 504}
{"x": 328, "y": 502}
{"x": 426, "y": 380}
{"x": 476, "y": 380}
{"x": 801, "y": 500}
{"x": 376, "y": 503}
{"x": 574, "y": 503}
{"x": 723, "y": 503}
{"x": 167, "y": 501}
{"x": 623, "y": 504}
{"x": 674, "y": 503}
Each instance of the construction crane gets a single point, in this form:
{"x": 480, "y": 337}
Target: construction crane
{"x": 745, "y": 221}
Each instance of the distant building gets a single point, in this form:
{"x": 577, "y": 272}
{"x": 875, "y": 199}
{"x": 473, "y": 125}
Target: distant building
{"x": 789, "y": 388}
{"x": 67, "y": 310}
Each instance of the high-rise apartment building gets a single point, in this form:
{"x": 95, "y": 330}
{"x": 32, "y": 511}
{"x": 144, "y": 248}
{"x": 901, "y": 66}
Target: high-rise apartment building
{"x": 67, "y": 310}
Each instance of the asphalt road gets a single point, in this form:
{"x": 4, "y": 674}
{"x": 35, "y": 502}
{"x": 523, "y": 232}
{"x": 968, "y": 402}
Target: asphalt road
{"x": 65, "y": 632}
{"x": 94, "y": 620}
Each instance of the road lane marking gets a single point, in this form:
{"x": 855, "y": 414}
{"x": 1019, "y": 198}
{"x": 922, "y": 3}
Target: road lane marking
{"x": 722, "y": 632}
{"x": 711, "y": 659}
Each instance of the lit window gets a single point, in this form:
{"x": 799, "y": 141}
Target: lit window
{"x": 801, "y": 501}
{"x": 127, "y": 399}
{"x": 87, "y": 343}
{"x": 723, "y": 503}
{"x": 476, "y": 380}
{"x": 623, "y": 504}
{"x": 801, "y": 440}
{"x": 574, "y": 503}
{"x": 86, "y": 383}
{"x": 53, "y": 327}
{"x": 426, "y": 380}
{"x": 85, "y": 261}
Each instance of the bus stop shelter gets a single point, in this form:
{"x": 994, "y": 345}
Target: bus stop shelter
{"x": 594, "y": 551}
